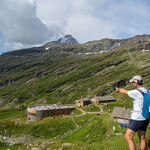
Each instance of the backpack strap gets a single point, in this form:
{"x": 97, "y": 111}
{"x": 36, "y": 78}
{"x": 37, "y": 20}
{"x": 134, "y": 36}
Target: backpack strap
{"x": 147, "y": 90}
{"x": 141, "y": 92}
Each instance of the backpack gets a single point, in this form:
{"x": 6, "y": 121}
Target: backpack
{"x": 146, "y": 104}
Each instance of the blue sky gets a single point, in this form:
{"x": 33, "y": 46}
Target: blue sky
{"x": 28, "y": 23}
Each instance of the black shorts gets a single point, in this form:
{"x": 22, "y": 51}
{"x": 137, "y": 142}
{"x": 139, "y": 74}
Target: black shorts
{"x": 136, "y": 125}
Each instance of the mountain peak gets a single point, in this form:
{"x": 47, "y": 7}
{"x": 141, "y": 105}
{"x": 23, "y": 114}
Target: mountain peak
{"x": 68, "y": 39}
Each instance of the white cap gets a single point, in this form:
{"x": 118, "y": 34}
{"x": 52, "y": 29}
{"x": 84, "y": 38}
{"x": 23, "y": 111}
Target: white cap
{"x": 136, "y": 79}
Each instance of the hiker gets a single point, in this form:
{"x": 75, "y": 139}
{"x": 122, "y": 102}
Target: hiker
{"x": 137, "y": 122}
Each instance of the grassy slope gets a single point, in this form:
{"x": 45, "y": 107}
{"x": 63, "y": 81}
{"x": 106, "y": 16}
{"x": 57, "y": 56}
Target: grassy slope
{"x": 70, "y": 76}
{"x": 91, "y": 108}
{"x": 64, "y": 79}
{"x": 95, "y": 132}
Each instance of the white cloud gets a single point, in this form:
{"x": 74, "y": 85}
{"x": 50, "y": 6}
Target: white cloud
{"x": 92, "y": 19}
{"x": 74, "y": 17}
{"x": 19, "y": 23}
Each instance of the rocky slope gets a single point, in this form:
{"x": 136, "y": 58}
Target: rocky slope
{"x": 65, "y": 41}
{"x": 68, "y": 39}
{"x": 71, "y": 45}
{"x": 107, "y": 45}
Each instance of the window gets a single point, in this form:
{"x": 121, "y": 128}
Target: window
{"x": 38, "y": 119}
{"x": 46, "y": 114}
{"x": 31, "y": 114}
{"x": 65, "y": 113}
{"x": 53, "y": 113}
{"x": 57, "y": 113}
{"x": 28, "y": 118}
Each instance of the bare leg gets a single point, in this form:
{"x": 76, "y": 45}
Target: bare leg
{"x": 129, "y": 135}
{"x": 141, "y": 135}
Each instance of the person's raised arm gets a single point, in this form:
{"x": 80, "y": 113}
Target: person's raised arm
{"x": 122, "y": 91}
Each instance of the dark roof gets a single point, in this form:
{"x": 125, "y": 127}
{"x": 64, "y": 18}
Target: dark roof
{"x": 105, "y": 98}
{"x": 119, "y": 112}
{"x": 83, "y": 100}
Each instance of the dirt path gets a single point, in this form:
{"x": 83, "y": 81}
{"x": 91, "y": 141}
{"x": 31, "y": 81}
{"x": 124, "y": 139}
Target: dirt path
{"x": 85, "y": 112}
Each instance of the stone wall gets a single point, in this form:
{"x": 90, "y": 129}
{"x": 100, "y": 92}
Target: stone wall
{"x": 49, "y": 113}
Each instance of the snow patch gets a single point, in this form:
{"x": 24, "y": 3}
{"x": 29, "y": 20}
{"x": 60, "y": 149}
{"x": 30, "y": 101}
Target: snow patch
{"x": 147, "y": 39}
{"x": 47, "y": 48}
{"x": 63, "y": 40}
{"x": 94, "y": 53}
{"x": 144, "y": 50}
{"x": 63, "y": 52}
{"x": 116, "y": 45}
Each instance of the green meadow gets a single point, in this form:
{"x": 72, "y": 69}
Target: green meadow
{"x": 61, "y": 78}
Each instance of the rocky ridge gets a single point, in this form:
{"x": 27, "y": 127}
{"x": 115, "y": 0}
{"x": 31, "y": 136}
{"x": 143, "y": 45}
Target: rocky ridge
{"x": 71, "y": 45}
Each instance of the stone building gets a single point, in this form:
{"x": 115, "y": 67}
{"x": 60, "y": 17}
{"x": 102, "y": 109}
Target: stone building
{"x": 82, "y": 102}
{"x": 121, "y": 115}
{"x": 38, "y": 112}
{"x": 103, "y": 99}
